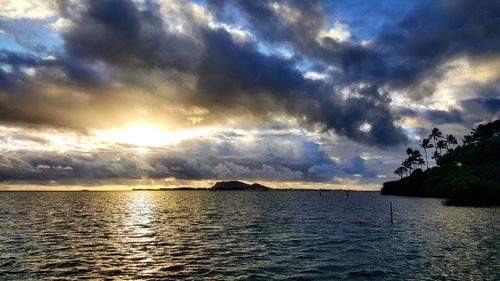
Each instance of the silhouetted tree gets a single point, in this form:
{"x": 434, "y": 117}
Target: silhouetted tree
{"x": 426, "y": 143}
{"x": 436, "y": 156}
{"x": 414, "y": 158}
{"x": 483, "y": 132}
{"x": 435, "y": 135}
{"x": 486, "y": 131}
{"x": 407, "y": 164}
{"x": 441, "y": 144}
{"x": 419, "y": 162}
{"x": 409, "y": 160}
{"x": 401, "y": 171}
{"x": 467, "y": 139}
{"x": 450, "y": 140}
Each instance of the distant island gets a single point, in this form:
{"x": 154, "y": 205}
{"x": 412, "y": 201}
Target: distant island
{"x": 220, "y": 185}
{"x": 466, "y": 174}
{"x": 238, "y": 185}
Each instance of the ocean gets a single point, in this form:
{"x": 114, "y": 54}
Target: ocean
{"x": 243, "y": 235}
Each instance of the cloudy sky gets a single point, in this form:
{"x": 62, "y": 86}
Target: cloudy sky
{"x": 289, "y": 93}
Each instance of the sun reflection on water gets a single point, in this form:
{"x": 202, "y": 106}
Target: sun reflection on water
{"x": 139, "y": 235}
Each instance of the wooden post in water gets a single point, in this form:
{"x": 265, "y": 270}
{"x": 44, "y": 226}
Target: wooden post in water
{"x": 392, "y": 221}
{"x": 347, "y": 193}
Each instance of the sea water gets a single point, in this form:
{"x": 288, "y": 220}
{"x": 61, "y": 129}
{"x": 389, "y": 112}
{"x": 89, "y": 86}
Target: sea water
{"x": 243, "y": 235}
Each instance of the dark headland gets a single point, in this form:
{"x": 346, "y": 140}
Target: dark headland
{"x": 220, "y": 185}
{"x": 238, "y": 185}
{"x": 466, "y": 174}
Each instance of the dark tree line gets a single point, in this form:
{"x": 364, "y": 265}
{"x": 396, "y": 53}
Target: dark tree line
{"x": 465, "y": 174}
{"x": 444, "y": 145}
{"x": 415, "y": 160}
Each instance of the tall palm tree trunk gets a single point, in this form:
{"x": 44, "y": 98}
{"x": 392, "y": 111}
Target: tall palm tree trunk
{"x": 426, "y": 160}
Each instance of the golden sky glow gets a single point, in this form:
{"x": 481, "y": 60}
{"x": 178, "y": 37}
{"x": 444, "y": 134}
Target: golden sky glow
{"x": 144, "y": 135}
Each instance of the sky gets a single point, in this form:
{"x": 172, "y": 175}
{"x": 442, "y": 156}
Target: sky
{"x": 166, "y": 93}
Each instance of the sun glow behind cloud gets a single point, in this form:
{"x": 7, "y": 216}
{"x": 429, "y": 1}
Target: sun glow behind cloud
{"x": 144, "y": 135}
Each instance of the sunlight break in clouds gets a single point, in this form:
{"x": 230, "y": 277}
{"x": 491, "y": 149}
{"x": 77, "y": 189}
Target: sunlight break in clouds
{"x": 145, "y": 135}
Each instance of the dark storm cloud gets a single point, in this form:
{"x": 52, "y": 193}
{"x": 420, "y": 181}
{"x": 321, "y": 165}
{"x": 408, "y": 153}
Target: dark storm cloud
{"x": 480, "y": 109}
{"x": 127, "y": 38}
{"x": 118, "y": 33}
{"x": 80, "y": 72}
{"x": 437, "y": 28}
{"x": 435, "y": 31}
{"x": 407, "y": 112}
{"x": 301, "y": 29}
{"x": 232, "y": 77}
{"x": 403, "y": 53}
{"x": 18, "y": 59}
{"x": 444, "y": 117}
{"x": 23, "y": 101}
{"x": 356, "y": 166}
{"x": 492, "y": 105}
{"x": 269, "y": 84}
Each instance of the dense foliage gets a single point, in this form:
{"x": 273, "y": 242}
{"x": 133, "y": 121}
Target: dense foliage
{"x": 465, "y": 174}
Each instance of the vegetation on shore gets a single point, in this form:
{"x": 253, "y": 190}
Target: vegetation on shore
{"x": 466, "y": 174}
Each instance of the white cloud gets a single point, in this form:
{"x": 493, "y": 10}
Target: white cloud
{"x": 287, "y": 13}
{"x": 183, "y": 18}
{"x": 313, "y": 75}
{"x": 61, "y": 25}
{"x": 340, "y": 33}
{"x": 27, "y": 9}
{"x": 238, "y": 34}
{"x": 30, "y": 71}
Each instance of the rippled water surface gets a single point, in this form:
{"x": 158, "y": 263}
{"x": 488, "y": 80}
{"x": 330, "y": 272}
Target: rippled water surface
{"x": 235, "y": 235}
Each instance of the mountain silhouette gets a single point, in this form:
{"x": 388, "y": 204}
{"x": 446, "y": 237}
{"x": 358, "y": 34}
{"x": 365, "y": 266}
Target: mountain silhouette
{"x": 238, "y": 185}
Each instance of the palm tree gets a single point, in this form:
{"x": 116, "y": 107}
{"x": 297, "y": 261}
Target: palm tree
{"x": 435, "y": 135}
{"x": 426, "y": 143}
{"x": 400, "y": 171}
{"x": 407, "y": 165}
{"x": 419, "y": 162}
{"x": 450, "y": 139}
{"x": 441, "y": 144}
{"x": 409, "y": 161}
{"x": 436, "y": 156}
{"x": 416, "y": 158}
{"x": 467, "y": 139}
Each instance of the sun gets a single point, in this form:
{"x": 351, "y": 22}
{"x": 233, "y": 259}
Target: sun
{"x": 144, "y": 135}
